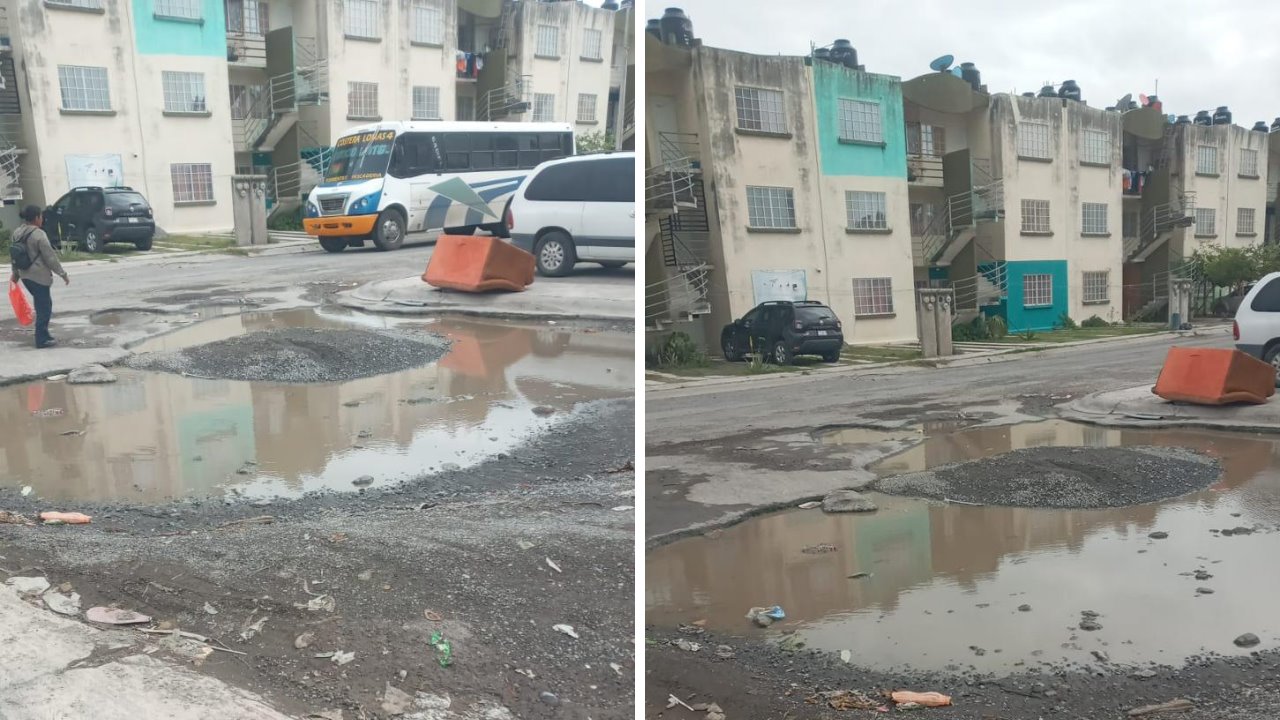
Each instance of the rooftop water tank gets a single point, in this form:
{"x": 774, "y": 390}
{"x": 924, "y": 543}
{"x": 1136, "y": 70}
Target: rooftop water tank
{"x": 1069, "y": 90}
{"x": 1183, "y": 120}
{"x": 677, "y": 28}
{"x": 842, "y": 52}
{"x": 1222, "y": 116}
{"x": 1028, "y": 94}
{"x": 1047, "y": 91}
{"x": 970, "y": 74}
{"x": 1276, "y": 125}
{"x": 609, "y": 5}
{"x": 654, "y": 28}
{"x": 1203, "y": 118}
{"x": 1260, "y": 126}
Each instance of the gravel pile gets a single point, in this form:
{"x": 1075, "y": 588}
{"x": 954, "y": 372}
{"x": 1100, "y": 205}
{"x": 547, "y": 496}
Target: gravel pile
{"x": 1063, "y": 477}
{"x": 299, "y": 355}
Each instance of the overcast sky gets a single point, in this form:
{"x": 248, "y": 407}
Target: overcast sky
{"x": 1205, "y": 53}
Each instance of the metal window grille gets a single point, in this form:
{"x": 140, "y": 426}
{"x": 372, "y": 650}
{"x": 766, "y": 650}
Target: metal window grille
{"x": 91, "y": 4}
{"x": 1095, "y": 218}
{"x": 183, "y": 91}
{"x": 548, "y": 41}
{"x": 247, "y": 16}
{"x": 189, "y": 9}
{"x": 84, "y": 88}
{"x": 1034, "y": 140}
{"x": 1035, "y": 216}
{"x": 361, "y": 18}
{"x": 592, "y": 44}
{"x": 1096, "y": 284}
{"x": 1095, "y": 147}
{"x": 926, "y": 139}
{"x": 760, "y": 109}
{"x": 1037, "y": 289}
{"x": 544, "y": 107}
{"x": 1248, "y": 162}
{"x": 866, "y": 210}
{"x": 1207, "y": 159}
{"x": 362, "y": 99}
{"x": 426, "y": 23}
{"x": 770, "y": 207}
{"x": 426, "y": 103}
{"x": 1206, "y": 221}
{"x": 192, "y": 182}
{"x": 586, "y": 107}
{"x": 860, "y": 121}
{"x": 1244, "y": 221}
{"x": 872, "y": 296}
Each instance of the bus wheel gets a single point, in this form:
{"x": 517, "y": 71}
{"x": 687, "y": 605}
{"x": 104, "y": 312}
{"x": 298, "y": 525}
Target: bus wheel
{"x": 497, "y": 230}
{"x": 388, "y": 234}
{"x": 333, "y": 244}
{"x": 464, "y": 230}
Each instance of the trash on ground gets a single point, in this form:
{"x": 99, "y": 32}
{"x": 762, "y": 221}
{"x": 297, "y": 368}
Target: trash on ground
{"x": 714, "y": 712}
{"x": 363, "y": 481}
{"x": 810, "y": 505}
{"x": 444, "y": 651}
{"x": 396, "y": 701}
{"x": 26, "y": 490}
{"x": 51, "y": 517}
{"x": 62, "y": 604}
{"x": 927, "y": 699}
{"x": 846, "y": 656}
{"x": 859, "y": 575}
{"x": 49, "y": 413}
{"x": 551, "y": 564}
{"x": 1179, "y": 705}
{"x": 115, "y": 616}
{"x": 28, "y": 585}
{"x": 13, "y": 518}
{"x": 253, "y": 629}
{"x": 90, "y": 375}
{"x": 318, "y": 603}
{"x": 673, "y": 701}
{"x": 845, "y": 700}
{"x": 819, "y": 549}
{"x": 342, "y": 658}
{"x": 194, "y": 650}
{"x": 616, "y": 668}
{"x": 432, "y": 615}
{"x": 524, "y": 544}
{"x": 211, "y": 610}
{"x": 56, "y": 378}
{"x": 567, "y": 630}
{"x": 304, "y": 640}
{"x": 687, "y": 645}
{"x": 764, "y": 616}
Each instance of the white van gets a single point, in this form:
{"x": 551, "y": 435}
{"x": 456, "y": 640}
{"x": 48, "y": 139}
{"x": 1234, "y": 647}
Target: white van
{"x": 1257, "y": 323}
{"x": 577, "y": 209}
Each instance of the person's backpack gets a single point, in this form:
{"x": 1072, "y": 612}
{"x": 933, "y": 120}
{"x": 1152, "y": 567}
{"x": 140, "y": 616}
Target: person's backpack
{"x": 19, "y": 254}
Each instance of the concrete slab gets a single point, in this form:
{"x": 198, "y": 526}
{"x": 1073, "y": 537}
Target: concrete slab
{"x": 1138, "y": 407}
{"x": 545, "y": 298}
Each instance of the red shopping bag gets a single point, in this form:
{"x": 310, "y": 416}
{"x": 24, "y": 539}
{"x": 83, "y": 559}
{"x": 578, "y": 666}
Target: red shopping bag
{"x": 21, "y": 306}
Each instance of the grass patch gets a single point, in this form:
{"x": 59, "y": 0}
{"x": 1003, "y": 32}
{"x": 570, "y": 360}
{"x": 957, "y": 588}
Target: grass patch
{"x": 1081, "y": 333}
{"x": 879, "y": 353}
{"x": 70, "y": 254}
{"x": 195, "y": 242}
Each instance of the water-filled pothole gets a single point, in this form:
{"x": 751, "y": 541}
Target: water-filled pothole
{"x": 947, "y": 580}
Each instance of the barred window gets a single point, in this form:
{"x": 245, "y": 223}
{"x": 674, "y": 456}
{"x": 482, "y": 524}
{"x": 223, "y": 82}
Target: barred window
{"x": 926, "y": 139}
{"x": 1035, "y": 216}
{"x": 84, "y": 88}
{"x": 587, "y": 107}
{"x": 187, "y": 9}
{"x": 426, "y": 103}
{"x": 544, "y": 107}
{"x": 872, "y": 296}
{"x": 860, "y": 121}
{"x": 1034, "y": 140}
{"x": 362, "y": 100}
{"x": 548, "y": 41}
{"x": 90, "y": 4}
{"x": 1248, "y": 162}
{"x": 1244, "y": 221}
{"x": 426, "y": 23}
{"x": 1095, "y": 218}
{"x": 770, "y": 207}
{"x": 1095, "y": 147}
{"x": 592, "y": 44}
{"x": 1206, "y": 221}
{"x": 1096, "y": 284}
{"x": 192, "y": 182}
{"x": 362, "y": 19}
{"x": 866, "y": 210}
{"x": 1037, "y": 290}
{"x": 1206, "y": 160}
{"x": 249, "y": 17}
{"x": 760, "y": 109}
{"x": 183, "y": 92}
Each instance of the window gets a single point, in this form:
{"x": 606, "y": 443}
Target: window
{"x": 860, "y": 121}
{"x": 586, "y": 107}
{"x": 592, "y": 44}
{"x": 921, "y": 217}
{"x": 1130, "y": 223}
{"x": 760, "y": 109}
{"x": 90, "y": 4}
{"x": 1095, "y": 286}
{"x": 872, "y": 296}
{"x": 544, "y": 107}
{"x": 362, "y": 100}
{"x": 183, "y": 92}
{"x": 466, "y": 108}
{"x": 84, "y": 88}
{"x": 1248, "y": 162}
{"x": 1037, "y": 290}
{"x": 604, "y": 180}
{"x": 926, "y": 139}
{"x": 548, "y": 42}
{"x": 186, "y": 9}
{"x": 1206, "y": 222}
{"x": 866, "y": 210}
{"x": 192, "y": 182}
{"x": 1034, "y": 140}
{"x": 1268, "y": 298}
{"x": 426, "y": 23}
{"x": 361, "y": 19}
{"x": 247, "y": 17}
{"x": 1095, "y": 218}
{"x": 1244, "y": 221}
{"x": 426, "y": 103}
{"x": 1095, "y": 147}
{"x": 1206, "y": 160}
{"x": 1035, "y": 216}
{"x": 770, "y": 207}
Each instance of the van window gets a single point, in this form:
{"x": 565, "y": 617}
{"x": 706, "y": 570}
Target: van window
{"x": 567, "y": 182}
{"x": 614, "y": 180}
{"x": 1268, "y": 298}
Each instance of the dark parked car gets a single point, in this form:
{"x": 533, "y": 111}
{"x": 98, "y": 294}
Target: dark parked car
{"x": 782, "y": 329}
{"x": 91, "y": 217}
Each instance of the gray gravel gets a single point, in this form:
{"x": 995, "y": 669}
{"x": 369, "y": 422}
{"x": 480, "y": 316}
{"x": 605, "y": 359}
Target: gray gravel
{"x": 1063, "y": 477}
{"x": 299, "y": 355}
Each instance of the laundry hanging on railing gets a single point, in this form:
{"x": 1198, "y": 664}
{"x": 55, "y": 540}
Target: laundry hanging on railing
{"x": 470, "y": 64}
{"x": 1134, "y": 181}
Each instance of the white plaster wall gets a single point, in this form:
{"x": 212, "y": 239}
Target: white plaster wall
{"x": 568, "y": 75}
{"x": 1227, "y": 192}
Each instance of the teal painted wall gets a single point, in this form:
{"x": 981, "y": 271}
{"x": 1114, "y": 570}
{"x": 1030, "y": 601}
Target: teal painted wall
{"x": 1020, "y": 317}
{"x": 832, "y": 82}
{"x": 181, "y": 37}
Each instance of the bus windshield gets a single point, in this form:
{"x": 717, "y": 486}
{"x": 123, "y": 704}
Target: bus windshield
{"x": 362, "y": 156}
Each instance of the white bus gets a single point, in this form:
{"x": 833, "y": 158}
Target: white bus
{"x": 393, "y": 178}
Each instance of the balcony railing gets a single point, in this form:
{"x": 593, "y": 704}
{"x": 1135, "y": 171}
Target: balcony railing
{"x": 924, "y": 170}
{"x": 247, "y": 49}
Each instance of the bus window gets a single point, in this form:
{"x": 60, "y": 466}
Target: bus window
{"x": 549, "y": 144}
{"x": 482, "y": 151}
{"x": 457, "y": 150}
{"x": 419, "y": 155}
{"x": 529, "y": 157}
{"x": 361, "y": 156}
{"x": 506, "y": 149}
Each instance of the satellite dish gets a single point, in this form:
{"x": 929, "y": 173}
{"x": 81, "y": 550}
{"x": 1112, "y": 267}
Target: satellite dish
{"x": 1124, "y": 102}
{"x": 941, "y": 64}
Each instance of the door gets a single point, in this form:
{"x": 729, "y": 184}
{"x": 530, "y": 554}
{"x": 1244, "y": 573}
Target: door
{"x": 554, "y": 198}
{"x": 762, "y": 330}
{"x": 609, "y": 211}
{"x": 53, "y": 219}
{"x": 661, "y": 110}
{"x": 740, "y": 332}
{"x": 76, "y": 218}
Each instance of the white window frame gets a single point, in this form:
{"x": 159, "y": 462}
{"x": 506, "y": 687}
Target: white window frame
{"x": 544, "y": 107}
{"x": 860, "y": 121}
{"x": 872, "y": 297}
{"x": 592, "y": 44}
{"x": 587, "y": 104}
{"x": 1095, "y": 147}
{"x": 1037, "y": 290}
{"x": 1206, "y": 159}
{"x": 1093, "y": 218}
{"x": 771, "y": 207}
{"x": 362, "y": 96}
{"x": 81, "y": 4}
{"x": 1206, "y": 222}
{"x": 426, "y": 23}
{"x": 866, "y": 210}
{"x": 547, "y": 44}
{"x": 362, "y": 19}
{"x": 1246, "y": 221}
{"x": 1248, "y": 163}
{"x": 424, "y": 99}
{"x": 192, "y": 183}
{"x": 1095, "y": 287}
{"x": 1035, "y": 217}
{"x": 927, "y": 140}
{"x": 181, "y": 9}
{"x": 760, "y": 109}
{"x": 87, "y": 87}
{"x": 1035, "y": 140}
{"x": 184, "y": 92}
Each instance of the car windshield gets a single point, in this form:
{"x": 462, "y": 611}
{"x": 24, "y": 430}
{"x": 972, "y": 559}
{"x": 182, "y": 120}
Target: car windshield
{"x": 124, "y": 200}
{"x": 362, "y": 156}
{"x": 811, "y": 314}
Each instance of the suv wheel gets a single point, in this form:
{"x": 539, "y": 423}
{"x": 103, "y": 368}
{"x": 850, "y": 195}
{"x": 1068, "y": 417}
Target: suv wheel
{"x": 143, "y": 245}
{"x": 91, "y": 241}
{"x": 781, "y": 353}
{"x": 831, "y": 357}
{"x": 388, "y": 234}
{"x": 554, "y": 254}
{"x": 730, "y": 353}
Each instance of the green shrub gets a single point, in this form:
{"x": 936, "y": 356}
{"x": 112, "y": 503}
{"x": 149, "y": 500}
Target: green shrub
{"x": 1095, "y": 322}
{"x": 680, "y": 350}
{"x": 1065, "y": 322}
{"x": 286, "y": 221}
{"x": 996, "y": 327}
{"x": 1027, "y": 335}
{"x": 961, "y": 332}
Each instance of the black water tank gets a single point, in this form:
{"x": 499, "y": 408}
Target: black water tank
{"x": 1069, "y": 90}
{"x": 1110, "y": 108}
{"x": 1028, "y": 94}
{"x": 1222, "y": 116}
{"x": 654, "y": 28}
{"x": 1276, "y": 125}
{"x": 1203, "y": 118}
{"x": 677, "y": 28}
{"x": 1183, "y": 120}
{"x": 1047, "y": 91}
{"x": 842, "y": 52}
{"x": 823, "y": 54}
{"x": 1260, "y": 126}
{"x": 609, "y": 5}
{"x": 969, "y": 72}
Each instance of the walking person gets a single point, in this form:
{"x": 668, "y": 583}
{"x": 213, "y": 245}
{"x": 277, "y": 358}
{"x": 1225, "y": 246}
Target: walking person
{"x": 35, "y": 262}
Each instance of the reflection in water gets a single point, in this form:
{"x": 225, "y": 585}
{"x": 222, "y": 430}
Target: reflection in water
{"x": 935, "y": 567}
{"x": 154, "y": 436}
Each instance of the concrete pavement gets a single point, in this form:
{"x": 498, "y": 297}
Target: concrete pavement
{"x": 1139, "y": 407}
{"x": 599, "y": 297}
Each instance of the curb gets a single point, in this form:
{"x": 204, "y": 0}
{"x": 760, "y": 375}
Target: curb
{"x": 285, "y": 248}
{"x": 356, "y": 300}
{"x": 1116, "y": 408}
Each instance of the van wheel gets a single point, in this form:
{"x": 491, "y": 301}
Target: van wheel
{"x": 388, "y": 234}
{"x": 554, "y": 254}
{"x": 1272, "y": 357}
{"x": 92, "y": 241}
{"x": 333, "y": 244}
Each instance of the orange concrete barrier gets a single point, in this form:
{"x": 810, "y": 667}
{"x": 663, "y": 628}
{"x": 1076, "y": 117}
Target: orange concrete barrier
{"x": 478, "y": 263}
{"x": 1214, "y": 376}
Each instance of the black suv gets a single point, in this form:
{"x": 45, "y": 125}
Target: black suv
{"x": 91, "y": 217}
{"x": 782, "y": 329}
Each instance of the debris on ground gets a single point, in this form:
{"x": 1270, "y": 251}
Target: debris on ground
{"x": 844, "y": 700}
{"x": 432, "y": 615}
{"x": 551, "y": 564}
{"x": 543, "y": 410}
{"x": 714, "y": 712}
{"x": 90, "y": 375}
{"x": 809, "y": 505}
{"x": 764, "y": 616}
{"x": 26, "y": 489}
{"x": 1247, "y": 640}
{"x": 818, "y": 549}
{"x": 924, "y": 699}
{"x": 363, "y": 481}
{"x": 210, "y": 610}
{"x": 687, "y": 645}
{"x": 847, "y": 501}
{"x": 859, "y": 575}
{"x": 28, "y": 585}
{"x": 396, "y": 701}
{"x": 253, "y": 629}
{"x": 62, "y": 604}
{"x": 304, "y": 640}
{"x": 1179, "y": 705}
{"x": 340, "y": 658}
{"x": 566, "y": 629}
{"x": 318, "y": 603}
{"x": 444, "y": 651}
{"x": 51, "y": 517}
{"x": 115, "y": 616}
{"x": 1158, "y": 535}
{"x": 13, "y": 518}
{"x": 673, "y": 701}
{"x": 846, "y": 656}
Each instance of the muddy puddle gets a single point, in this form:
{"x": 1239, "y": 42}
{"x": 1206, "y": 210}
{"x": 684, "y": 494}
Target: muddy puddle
{"x": 152, "y": 437}
{"x": 999, "y": 589}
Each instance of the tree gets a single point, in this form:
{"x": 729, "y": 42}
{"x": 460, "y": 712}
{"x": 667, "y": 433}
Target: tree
{"x": 1229, "y": 267}
{"x": 598, "y": 141}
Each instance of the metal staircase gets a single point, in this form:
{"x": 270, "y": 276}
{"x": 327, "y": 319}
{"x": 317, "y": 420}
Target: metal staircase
{"x": 290, "y": 184}
{"x": 1158, "y": 225}
{"x": 681, "y": 297}
{"x": 514, "y": 98}
{"x": 952, "y": 228}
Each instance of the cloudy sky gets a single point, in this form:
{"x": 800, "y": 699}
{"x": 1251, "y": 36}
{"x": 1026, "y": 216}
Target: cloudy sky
{"x": 1205, "y": 53}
